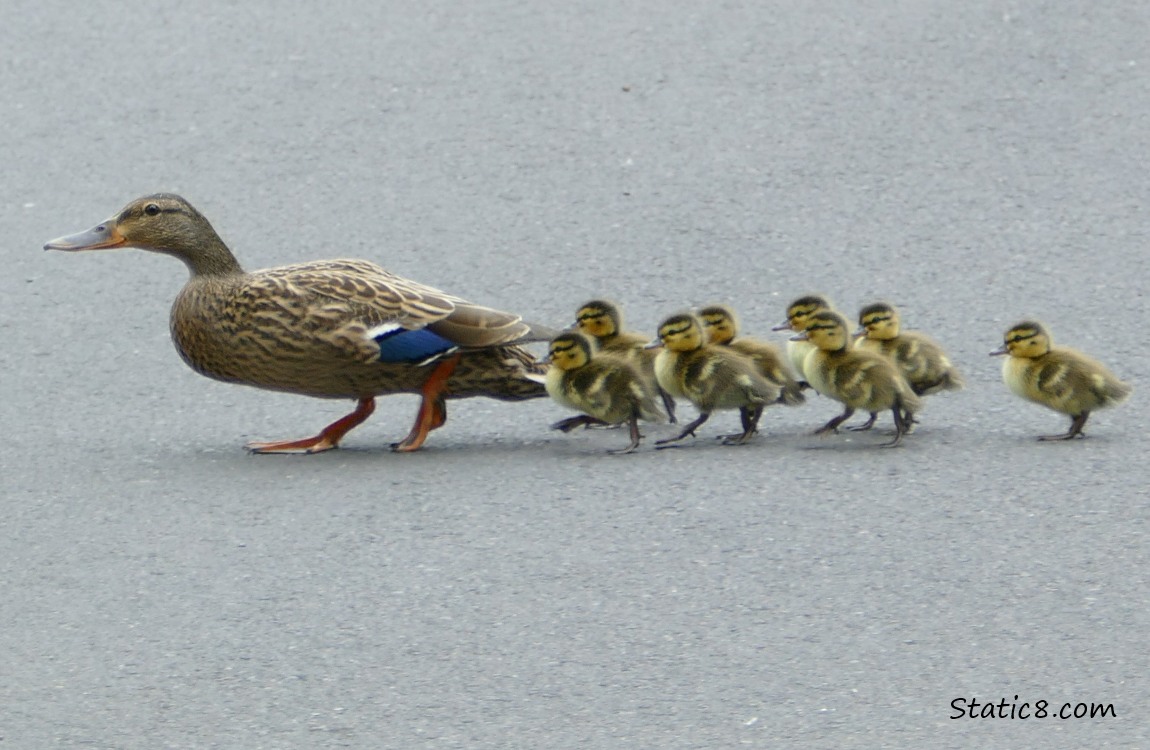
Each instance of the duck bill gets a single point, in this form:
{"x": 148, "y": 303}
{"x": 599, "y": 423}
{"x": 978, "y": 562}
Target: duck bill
{"x": 859, "y": 333}
{"x": 99, "y": 237}
{"x": 801, "y": 337}
{"x": 654, "y": 344}
{"x": 784, "y": 326}
{"x": 1000, "y": 350}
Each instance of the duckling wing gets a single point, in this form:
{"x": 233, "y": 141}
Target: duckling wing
{"x": 362, "y": 308}
{"x": 925, "y": 364}
{"x": 1073, "y": 382}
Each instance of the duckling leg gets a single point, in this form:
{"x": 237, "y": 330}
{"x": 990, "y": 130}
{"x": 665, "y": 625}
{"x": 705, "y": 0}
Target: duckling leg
{"x": 865, "y": 425}
{"x": 571, "y": 423}
{"x": 902, "y": 423}
{"x": 327, "y": 439}
{"x": 750, "y": 419}
{"x": 668, "y": 405}
{"x": 1075, "y": 430}
{"x": 633, "y": 423}
{"x": 433, "y": 408}
{"x": 688, "y": 430}
{"x": 833, "y": 425}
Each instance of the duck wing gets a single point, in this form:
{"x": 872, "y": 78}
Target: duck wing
{"x": 359, "y": 306}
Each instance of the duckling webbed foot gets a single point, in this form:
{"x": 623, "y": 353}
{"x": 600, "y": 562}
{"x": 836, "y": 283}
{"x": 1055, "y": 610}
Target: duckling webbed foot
{"x": 432, "y": 409}
{"x": 832, "y": 426}
{"x": 750, "y": 419}
{"x": 573, "y": 423}
{"x": 1075, "y": 430}
{"x": 865, "y": 425}
{"x": 689, "y": 430}
{"x": 633, "y": 424}
{"x": 328, "y": 438}
{"x": 903, "y": 421}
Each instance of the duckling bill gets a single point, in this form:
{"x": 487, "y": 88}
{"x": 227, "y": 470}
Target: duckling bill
{"x": 607, "y": 389}
{"x": 1058, "y": 377}
{"x": 340, "y": 329}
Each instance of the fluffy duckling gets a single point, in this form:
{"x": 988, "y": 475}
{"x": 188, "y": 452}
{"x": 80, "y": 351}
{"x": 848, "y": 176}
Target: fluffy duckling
{"x": 607, "y": 389}
{"x": 711, "y": 377}
{"x": 722, "y": 326}
{"x": 603, "y": 320}
{"x": 922, "y": 361}
{"x": 859, "y": 379}
{"x": 1057, "y": 377}
{"x": 798, "y": 312}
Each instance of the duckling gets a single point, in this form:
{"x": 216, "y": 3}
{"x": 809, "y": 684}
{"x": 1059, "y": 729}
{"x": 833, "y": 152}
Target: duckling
{"x": 860, "y": 379}
{"x": 797, "y": 314}
{"x": 711, "y": 377}
{"x": 1058, "y": 377}
{"x": 606, "y": 388}
{"x": 603, "y": 320}
{"x": 722, "y": 326}
{"x": 922, "y": 361}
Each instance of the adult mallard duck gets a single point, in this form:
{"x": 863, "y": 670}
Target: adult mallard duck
{"x": 1057, "y": 377}
{"x": 344, "y": 329}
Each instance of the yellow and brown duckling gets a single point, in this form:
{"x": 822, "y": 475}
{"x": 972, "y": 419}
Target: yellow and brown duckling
{"x": 340, "y": 329}
{"x": 798, "y": 312}
{"x": 711, "y": 377}
{"x": 858, "y": 379}
{"x": 606, "y": 388}
{"x": 603, "y": 320}
{"x": 722, "y": 327}
{"x": 922, "y": 361}
{"x": 1057, "y": 377}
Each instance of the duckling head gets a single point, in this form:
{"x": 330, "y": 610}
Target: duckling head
{"x": 879, "y": 322}
{"x": 720, "y": 323}
{"x": 599, "y": 318}
{"x": 570, "y": 351}
{"x": 162, "y": 223}
{"x": 681, "y": 333}
{"x": 1027, "y": 340}
{"x": 827, "y": 330}
{"x": 800, "y": 310}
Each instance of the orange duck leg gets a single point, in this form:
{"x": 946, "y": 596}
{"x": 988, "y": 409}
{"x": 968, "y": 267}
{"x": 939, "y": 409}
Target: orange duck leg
{"x": 433, "y": 408}
{"x": 327, "y": 439}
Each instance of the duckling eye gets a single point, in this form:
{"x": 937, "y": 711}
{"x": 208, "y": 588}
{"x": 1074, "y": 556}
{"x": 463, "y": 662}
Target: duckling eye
{"x": 151, "y": 209}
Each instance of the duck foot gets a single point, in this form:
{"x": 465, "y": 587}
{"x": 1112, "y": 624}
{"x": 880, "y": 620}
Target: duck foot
{"x": 832, "y": 426}
{"x": 583, "y": 420}
{"x": 1075, "y": 430}
{"x": 689, "y": 430}
{"x": 865, "y": 425}
{"x": 326, "y": 440}
{"x": 633, "y": 424}
{"x": 432, "y": 410}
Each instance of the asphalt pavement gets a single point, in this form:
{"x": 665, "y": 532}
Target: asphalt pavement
{"x": 508, "y": 586}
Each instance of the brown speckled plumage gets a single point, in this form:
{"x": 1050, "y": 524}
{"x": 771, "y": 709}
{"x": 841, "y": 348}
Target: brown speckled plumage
{"x": 314, "y": 328}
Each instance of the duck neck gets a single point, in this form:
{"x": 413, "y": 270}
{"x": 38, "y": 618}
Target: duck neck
{"x": 210, "y": 257}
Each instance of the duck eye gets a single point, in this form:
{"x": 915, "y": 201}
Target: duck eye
{"x": 151, "y": 209}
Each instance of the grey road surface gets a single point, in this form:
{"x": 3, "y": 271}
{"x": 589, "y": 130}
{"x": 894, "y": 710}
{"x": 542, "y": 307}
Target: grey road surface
{"x": 510, "y": 587}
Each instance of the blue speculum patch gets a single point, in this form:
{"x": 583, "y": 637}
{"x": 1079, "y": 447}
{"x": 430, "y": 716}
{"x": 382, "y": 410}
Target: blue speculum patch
{"x": 402, "y": 345}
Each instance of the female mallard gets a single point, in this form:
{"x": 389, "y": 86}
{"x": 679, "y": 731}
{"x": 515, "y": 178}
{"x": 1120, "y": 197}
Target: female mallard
{"x": 606, "y": 388}
{"x": 328, "y": 329}
{"x": 1057, "y": 377}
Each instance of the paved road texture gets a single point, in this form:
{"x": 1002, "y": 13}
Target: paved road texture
{"x": 509, "y": 587}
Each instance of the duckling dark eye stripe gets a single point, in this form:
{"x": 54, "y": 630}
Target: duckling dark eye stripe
{"x": 563, "y": 348}
{"x": 591, "y": 316}
{"x": 1016, "y": 339}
